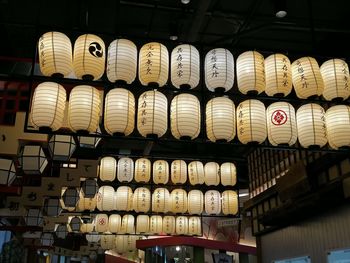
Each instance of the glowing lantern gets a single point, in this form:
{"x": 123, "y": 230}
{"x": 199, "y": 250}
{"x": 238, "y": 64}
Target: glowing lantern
{"x": 123, "y": 198}
{"x": 107, "y": 241}
{"x": 142, "y": 200}
{"x": 86, "y": 203}
{"x": 114, "y": 223}
{"x": 105, "y": 198}
{"x": 125, "y": 170}
{"x": 107, "y": 169}
{"x": 87, "y": 227}
{"x": 61, "y": 147}
{"x": 101, "y": 223}
{"x": 338, "y": 126}
{"x": 178, "y": 172}
{"x": 155, "y": 224}
{"x": 128, "y": 224}
{"x": 161, "y": 200}
{"x": 212, "y": 202}
{"x": 194, "y": 226}
{"x": 178, "y": 201}
{"x": 169, "y": 225}
{"x": 160, "y": 172}
{"x": 196, "y": 172}
{"x": 195, "y": 202}
{"x": 181, "y": 225}
{"x": 211, "y": 173}
{"x": 229, "y": 202}
{"x": 228, "y": 174}
{"x": 142, "y": 224}
{"x": 142, "y": 170}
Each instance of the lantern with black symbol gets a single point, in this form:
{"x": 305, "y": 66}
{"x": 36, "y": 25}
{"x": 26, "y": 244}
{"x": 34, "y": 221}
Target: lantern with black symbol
{"x": 125, "y": 171}
{"x": 33, "y": 217}
{"x": 114, "y": 223}
{"x": 52, "y": 207}
{"x": 169, "y": 225}
{"x": 160, "y": 172}
{"x": 61, "y": 231}
{"x": 7, "y": 171}
{"x": 32, "y": 159}
{"x": 47, "y": 239}
{"x": 61, "y": 147}
{"x": 128, "y": 225}
{"x": 211, "y": 173}
{"x": 107, "y": 241}
{"x": 155, "y": 224}
{"x": 108, "y": 169}
{"x": 89, "y": 188}
{"x": 70, "y": 198}
{"x": 178, "y": 199}
{"x": 228, "y": 174}
{"x": 195, "y": 202}
{"x": 181, "y": 225}
{"x": 212, "y": 202}
{"x": 142, "y": 224}
{"x": 142, "y": 200}
{"x": 194, "y": 226}
{"x": 123, "y": 198}
{"x": 229, "y": 202}
{"x": 196, "y": 172}
{"x": 105, "y": 198}
{"x": 101, "y": 223}
{"x": 161, "y": 200}
{"x": 178, "y": 172}
{"x": 74, "y": 224}
{"x": 338, "y": 126}
{"x": 142, "y": 170}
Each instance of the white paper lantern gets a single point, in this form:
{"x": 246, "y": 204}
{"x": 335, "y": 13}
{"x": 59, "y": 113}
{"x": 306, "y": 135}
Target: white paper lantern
{"x": 229, "y": 202}
{"x": 142, "y": 170}
{"x": 48, "y": 106}
{"x": 251, "y": 122}
{"x": 281, "y": 123}
{"x": 178, "y": 172}
{"x": 119, "y": 112}
{"x": 105, "y": 198}
{"x": 278, "y": 75}
{"x": 88, "y": 203}
{"x": 307, "y": 79}
{"x": 212, "y": 202}
{"x": 128, "y": 225}
{"x": 142, "y": 200}
{"x": 61, "y": 147}
{"x": 251, "y": 72}
{"x": 52, "y": 207}
{"x": 169, "y": 225}
{"x": 33, "y": 217}
{"x": 7, "y": 171}
{"x": 152, "y": 114}
{"x": 181, "y": 225}
{"x": 311, "y": 125}
{"x": 69, "y": 198}
{"x": 61, "y": 231}
{"x": 338, "y": 126}
{"x": 123, "y": 198}
{"x": 101, "y": 223}
{"x": 185, "y": 66}
{"x": 125, "y": 170}
{"x": 228, "y": 174}
{"x": 74, "y": 224}
{"x": 178, "y": 201}
{"x": 107, "y": 241}
{"x": 195, "y": 202}
{"x": 142, "y": 224}
{"x": 89, "y": 57}
{"x": 155, "y": 224}
{"x": 220, "y": 119}
{"x": 153, "y": 64}
{"x": 108, "y": 169}
{"x": 87, "y": 227}
{"x": 55, "y": 54}
{"x": 121, "y": 61}
{"x": 211, "y": 173}
{"x": 32, "y": 159}
{"x": 160, "y": 172}
{"x": 114, "y": 223}
{"x": 47, "y": 239}
{"x": 185, "y": 116}
{"x": 196, "y": 172}
{"x": 125, "y": 243}
{"x": 335, "y": 75}
{"x": 219, "y": 69}
{"x": 161, "y": 200}
{"x": 93, "y": 237}
{"x": 194, "y": 226}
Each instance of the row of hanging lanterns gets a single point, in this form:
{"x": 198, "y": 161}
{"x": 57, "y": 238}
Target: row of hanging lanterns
{"x": 274, "y": 75}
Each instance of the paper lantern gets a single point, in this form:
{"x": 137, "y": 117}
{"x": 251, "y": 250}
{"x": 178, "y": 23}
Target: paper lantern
{"x": 55, "y": 54}
{"x": 155, "y": 224}
{"x": 196, "y": 172}
{"x": 47, "y": 239}
{"x": 338, "y": 126}
{"x": 32, "y": 159}
{"x": 61, "y": 231}
{"x": 211, "y": 173}
{"x": 220, "y": 119}
{"x": 251, "y": 72}
{"x": 278, "y": 75}
{"x": 125, "y": 243}
{"x": 48, "y": 106}
{"x": 101, "y": 223}
{"x": 160, "y": 172}
{"x": 142, "y": 224}
{"x": 142, "y": 200}
{"x": 93, "y": 237}
{"x": 185, "y": 66}
{"x": 107, "y": 241}
{"x": 70, "y": 198}
{"x": 87, "y": 227}
{"x": 89, "y": 57}
{"x": 181, "y": 225}
{"x": 212, "y": 202}
{"x": 119, "y": 112}
{"x": 335, "y": 75}
{"x": 152, "y": 114}
{"x": 84, "y": 108}
{"x": 228, "y": 174}
{"x": 178, "y": 201}
{"x": 161, "y": 200}
{"x": 121, "y": 61}
{"x": 105, "y": 198}
{"x": 114, "y": 223}
{"x": 128, "y": 225}
{"x": 153, "y": 64}
{"x": 86, "y": 203}
{"x": 108, "y": 169}
{"x": 142, "y": 170}
{"x": 194, "y": 226}
{"x": 219, "y": 69}
{"x": 123, "y": 198}
{"x": 125, "y": 169}
{"x": 229, "y": 202}
{"x": 178, "y": 172}
{"x": 307, "y": 79}
{"x": 251, "y": 122}
{"x": 281, "y": 124}
{"x": 89, "y": 188}
{"x": 74, "y": 224}
{"x": 33, "y": 217}
{"x": 52, "y": 207}
{"x": 169, "y": 225}
{"x": 195, "y": 202}
{"x": 61, "y": 147}
{"x": 185, "y": 116}
{"x": 311, "y": 125}
{"x": 7, "y": 171}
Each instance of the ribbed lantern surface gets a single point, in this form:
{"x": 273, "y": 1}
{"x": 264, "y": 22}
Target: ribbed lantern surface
{"x": 228, "y": 174}
{"x": 196, "y": 172}
{"x": 211, "y": 173}
{"x": 338, "y": 126}
{"x": 195, "y": 202}
{"x": 178, "y": 171}
{"x": 160, "y": 172}
{"x": 142, "y": 170}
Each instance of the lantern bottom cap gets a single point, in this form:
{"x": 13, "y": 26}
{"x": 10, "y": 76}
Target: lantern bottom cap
{"x": 185, "y": 87}
{"x": 252, "y": 92}
{"x": 221, "y": 140}
{"x": 219, "y": 91}
{"x": 337, "y": 99}
{"x": 253, "y": 143}
{"x": 57, "y": 75}
{"x": 314, "y": 147}
{"x": 283, "y": 144}
{"x": 120, "y": 82}
{"x": 312, "y": 97}
{"x": 118, "y": 134}
{"x": 152, "y": 136}
{"x": 346, "y": 147}
{"x": 279, "y": 95}
{"x": 87, "y": 77}
{"x": 185, "y": 138}
{"x": 82, "y": 132}
{"x": 45, "y": 129}
{"x": 153, "y": 85}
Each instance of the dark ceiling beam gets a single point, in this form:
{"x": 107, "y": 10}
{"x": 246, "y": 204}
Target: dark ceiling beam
{"x": 151, "y": 6}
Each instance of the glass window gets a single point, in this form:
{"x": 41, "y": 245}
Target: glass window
{"x": 339, "y": 256}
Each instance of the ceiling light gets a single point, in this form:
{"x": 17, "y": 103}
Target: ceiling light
{"x": 178, "y": 248}
{"x": 281, "y": 13}
{"x": 185, "y": 2}
{"x": 280, "y": 8}
{"x": 173, "y": 37}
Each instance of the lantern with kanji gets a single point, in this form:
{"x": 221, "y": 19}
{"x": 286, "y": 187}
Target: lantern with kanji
{"x": 169, "y": 225}
{"x": 142, "y": 200}
{"x": 128, "y": 225}
{"x": 101, "y": 223}
{"x": 114, "y": 223}
{"x": 105, "y": 198}
{"x": 160, "y": 172}
{"x": 338, "y": 126}
{"x": 125, "y": 171}
{"x": 228, "y": 174}
{"x": 32, "y": 159}
{"x": 178, "y": 199}
{"x": 212, "y": 202}
{"x": 178, "y": 171}
{"x": 142, "y": 170}
{"x": 107, "y": 241}
{"x": 7, "y": 171}
{"x": 229, "y": 204}
{"x": 181, "y": 225}
{"x": 107, "y": 169}
{"x": 161, "y": 200}
{"x": 194, "y": 226}
{"x": 211, "y": 173}
{"x": 195, "y": 202}
{"x": 123, "y": 198}
{"x": 155, "y": 224}
{"x": 196, "y": 172}
{"x": 142, "y": 224}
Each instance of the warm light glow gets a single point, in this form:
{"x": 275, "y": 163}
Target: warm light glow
{"x": 338, "y": 126}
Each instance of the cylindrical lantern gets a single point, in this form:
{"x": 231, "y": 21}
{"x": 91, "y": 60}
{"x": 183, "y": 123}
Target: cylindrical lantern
{"x": 195, "y": 202}
{"x": 152, "y": 114}
{"x": 33, "y": 217}
{"x": 307, "y": 79}
{"x": 311, "y": 125}
{"x": 61, "y": 231}
{"x": 123, "y": 198}
{"x": 338, "y": 126}
{"x": 220, "y": 119}
{"x": 194, "y": 226}
{"x": 89, "y": 57}
{"x": 125, "y": 243}
{"x": 128, "y": 225}
{"x": 160, "y": 172}
{"x": 229, "y": 202}
{"x": 335, "y": 75}
{"x": 108, "y": 169}
{"x": 48, "y": 105}
{"x": 7, "y": 171}
{"x": 251, "y": 122}
{"x": 185, "y": 66}
{"x": 101, "y": 223}
{"x": 46, "y": 239}
{"x": 93, "y": 237}
{"x": 84, "y": 108}
{"x": 32, "y": 159}
{"x": 142, "y": 200}
{"x": 125, "y": 170}
{"x": 211, "y": 173}
{"x": 281, "y": 123}
{"x": 52, "y": 207}
{"x": 119, "y": 112}
{"x": 181, "y": 225}
{"x": 196, "y": 172}
{"x": 278, "y": 75}
{"x": 153, "y": 64}
{"x": 70, "y": 198}
{"x": 228, "y": 174}
{"x": 178, "y": 172}
{"x": 121, "y": 61}
{"x": 185, "y": 116}
{"x": 212, "y": 202}
{"x": 155, "y": 224}
{"x": 250, "y": 72}
{"x": 114, "y": 223}
{"x": 107, "y": 241}
{"x": 74, "y": 224}
{"x": 87, "y": 227}
{"x": 178, "y": 201}
{"x": 169, "y": 225}
{"x": 105, "y": 198}
{"x": 86, "y": 203}
{"x": 161, "y": 200}
{"x": 142, "y": 224}
{"x": 219, "y": 69}
{"x": 142, "y": 170}
{"x": 61, "y": 147}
